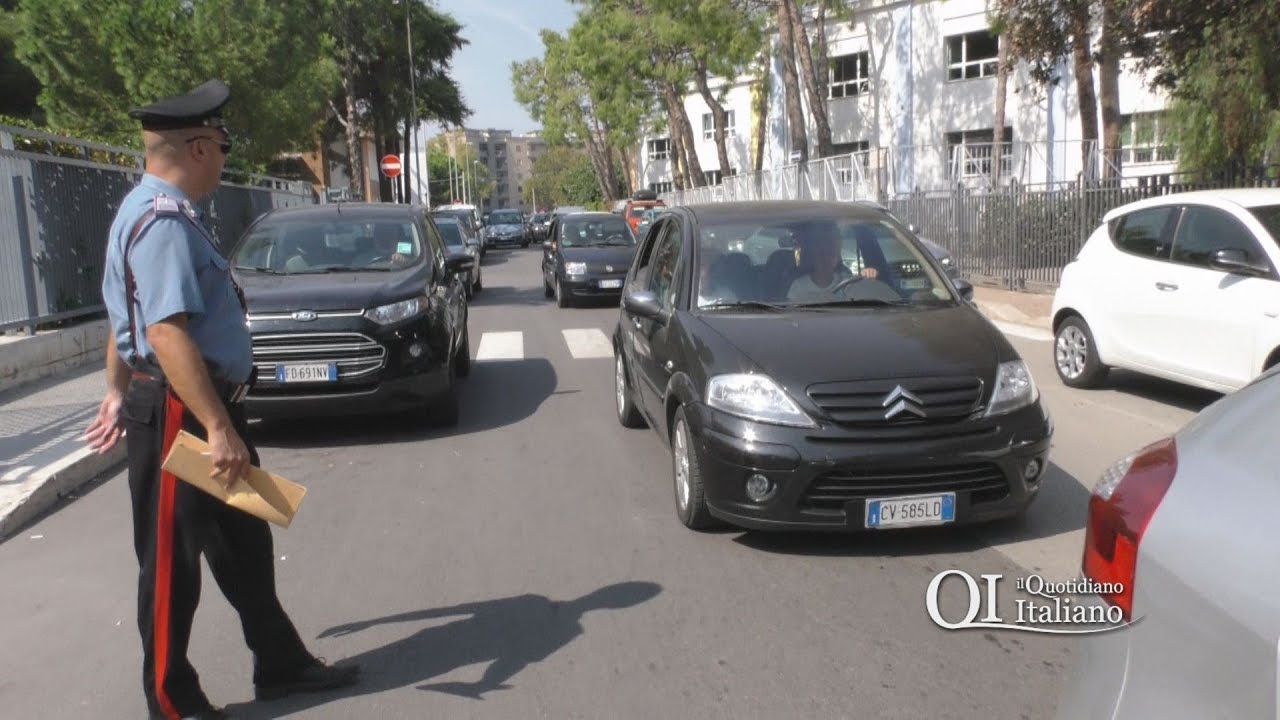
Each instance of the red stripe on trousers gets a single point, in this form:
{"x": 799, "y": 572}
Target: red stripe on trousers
{"x": 173, "y": 413}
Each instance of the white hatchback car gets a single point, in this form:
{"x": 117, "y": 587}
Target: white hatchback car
{"x": 1182, "y": 286}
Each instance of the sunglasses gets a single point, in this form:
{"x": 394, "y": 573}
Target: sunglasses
{"x": 224, "y": 145}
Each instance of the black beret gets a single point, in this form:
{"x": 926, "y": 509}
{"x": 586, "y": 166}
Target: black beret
{"x": 201, "y": 107}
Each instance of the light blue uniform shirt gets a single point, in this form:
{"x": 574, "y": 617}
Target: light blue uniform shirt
{"x": 176, "y": 269}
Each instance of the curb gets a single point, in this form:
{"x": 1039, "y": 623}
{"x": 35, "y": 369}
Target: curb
{"x": 43, "y": 488}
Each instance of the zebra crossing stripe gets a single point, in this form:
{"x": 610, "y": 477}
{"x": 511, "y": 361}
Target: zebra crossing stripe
{"x": 585, "y": 343}
{"x": 501, "y": 346}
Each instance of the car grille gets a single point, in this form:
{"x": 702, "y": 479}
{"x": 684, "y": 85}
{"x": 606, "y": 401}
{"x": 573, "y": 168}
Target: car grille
{"x": 358, "y": 356}
{"x": 830, "y": 491}
{"x": 918, "y": 401}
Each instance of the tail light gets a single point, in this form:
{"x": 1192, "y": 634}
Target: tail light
{"x": 1120, "y": 509}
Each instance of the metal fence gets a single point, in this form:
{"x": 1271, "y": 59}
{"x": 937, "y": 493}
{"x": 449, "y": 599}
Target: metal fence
{"x": 1015, "y": 236}
{"x": 58, "y": 197}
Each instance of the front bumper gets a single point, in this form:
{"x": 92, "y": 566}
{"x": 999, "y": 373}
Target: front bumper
{"x": 589, "y": 285}
{"x": 377, "y": 370}
{"x": 508, "y": 240}
{"x": 825, "y": 476}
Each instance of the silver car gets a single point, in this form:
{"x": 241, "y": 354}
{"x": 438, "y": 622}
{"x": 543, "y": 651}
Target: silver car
{"x": 1188, "y": 525}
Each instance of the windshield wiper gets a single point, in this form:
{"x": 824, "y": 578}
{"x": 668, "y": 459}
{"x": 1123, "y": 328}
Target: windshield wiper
{"x": 856, "y": 302}
{"x": 266, "y": 270}
{"x": 348, "y": 268}
{"x": 753, "y": 304}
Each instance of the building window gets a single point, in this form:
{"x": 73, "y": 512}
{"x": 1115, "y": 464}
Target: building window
{"x": 1144, "y": 138}
{"x": 661, "y": 187}
{"x": 849, "y": 75}
{"x": 848, "y": 158}
{"x": 972, "y": 55}
{"x": 709, "y": 125}
{"x": 659, "y": 149}
{"x": 970, "y": 154}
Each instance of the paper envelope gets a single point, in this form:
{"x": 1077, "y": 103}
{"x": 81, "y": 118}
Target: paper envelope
{"x": 262, "y": 494}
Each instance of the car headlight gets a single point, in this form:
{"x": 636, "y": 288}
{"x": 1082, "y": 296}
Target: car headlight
{"x": 575, "y": 268}
{"x": 397, "y": 311}
{"x": 1015, "y": 388}
{"x": 755, "y": 397}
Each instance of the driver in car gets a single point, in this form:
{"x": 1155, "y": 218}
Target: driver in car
{"x": 828, "y": 278}
{"x": 386, "y": 237}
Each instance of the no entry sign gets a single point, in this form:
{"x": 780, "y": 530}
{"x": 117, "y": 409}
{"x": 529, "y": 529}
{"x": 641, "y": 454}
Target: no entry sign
{"x": 391, "y": 166}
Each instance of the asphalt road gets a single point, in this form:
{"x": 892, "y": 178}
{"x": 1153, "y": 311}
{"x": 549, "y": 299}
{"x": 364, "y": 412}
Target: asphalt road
{"x": 529, "y": 564}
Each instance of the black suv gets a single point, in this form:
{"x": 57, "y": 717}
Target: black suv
{"x": 353, "y": 308}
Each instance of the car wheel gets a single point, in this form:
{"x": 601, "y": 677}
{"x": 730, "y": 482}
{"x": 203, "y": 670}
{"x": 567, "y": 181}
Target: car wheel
{"x": 562, "y": 297}
{"x": 691, "y": 501}
{"x": 628, "y": 413}
{"x": 547, "y": 290}
{"x": 1075, "y": 355}
{"x": 463, "y": 357}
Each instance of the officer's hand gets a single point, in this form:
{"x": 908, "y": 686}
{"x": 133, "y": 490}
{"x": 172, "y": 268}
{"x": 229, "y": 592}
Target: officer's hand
{"x": 229, "y": 455}
{"x": 870, "y": 273}
{"x": 105, "y": 430}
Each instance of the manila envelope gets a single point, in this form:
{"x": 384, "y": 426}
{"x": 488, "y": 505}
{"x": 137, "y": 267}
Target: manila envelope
{"x": 262, "y": 494}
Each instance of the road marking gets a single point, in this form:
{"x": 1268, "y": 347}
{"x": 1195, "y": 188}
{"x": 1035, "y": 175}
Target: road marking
{"x": 587, "y": 343}
{"x": 16, "y": 473}
{"x": 1023, "y": 331}
{"x": 501, "y": 346}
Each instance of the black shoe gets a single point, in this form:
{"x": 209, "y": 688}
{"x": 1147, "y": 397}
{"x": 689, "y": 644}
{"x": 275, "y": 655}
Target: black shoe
{"x": 313, "y": 677}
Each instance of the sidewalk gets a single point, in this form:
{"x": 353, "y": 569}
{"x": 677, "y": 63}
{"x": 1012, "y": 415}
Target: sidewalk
{"x": 1017, "y": 313}
{"x": 42, "y": 455}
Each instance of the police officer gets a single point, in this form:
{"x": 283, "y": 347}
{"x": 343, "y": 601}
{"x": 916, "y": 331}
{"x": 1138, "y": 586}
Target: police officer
{"x": 181, "y": 359}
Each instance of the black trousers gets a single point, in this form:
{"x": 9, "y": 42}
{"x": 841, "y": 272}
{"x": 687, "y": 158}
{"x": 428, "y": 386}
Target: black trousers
{"x": 174, "y": 523}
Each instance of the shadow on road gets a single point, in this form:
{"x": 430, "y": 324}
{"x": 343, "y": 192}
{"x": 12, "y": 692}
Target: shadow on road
{"x": 509, "y": 634}
{"x": 496, "y": 394}
{"x": 1185, "y": 397}
{"x": 1061, "y": 508}
{"x": 504, "y": 295}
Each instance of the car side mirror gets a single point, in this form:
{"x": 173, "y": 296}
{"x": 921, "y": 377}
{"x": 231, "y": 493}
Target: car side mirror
{"x": 966, "y": 289}
{"x": 548, "y": 245}
{"x": 459, "y": 263}
{"x": 642, "y": 303}
{"x": 1234, "y": 260}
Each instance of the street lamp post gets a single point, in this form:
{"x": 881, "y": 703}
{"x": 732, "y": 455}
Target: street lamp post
{"x": 413, "y": 92}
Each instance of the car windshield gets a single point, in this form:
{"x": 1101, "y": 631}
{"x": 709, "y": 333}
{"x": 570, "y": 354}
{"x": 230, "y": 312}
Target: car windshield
{"x": 1269, "y": 216}
{"x": 639, "y": 211}
{"x": 309, "y": 246}
{"x": 540, "y": 217}
{"x": 451, "y": 232}
{"x": 596, "y": 231}
{"x": 505, "y": 218}
{"x": 829, "y": 261}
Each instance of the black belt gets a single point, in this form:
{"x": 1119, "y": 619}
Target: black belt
{"x": 229, "y": 392}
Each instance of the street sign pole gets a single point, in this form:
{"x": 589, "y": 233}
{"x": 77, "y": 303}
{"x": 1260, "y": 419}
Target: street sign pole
{"x": 390, "y": 167}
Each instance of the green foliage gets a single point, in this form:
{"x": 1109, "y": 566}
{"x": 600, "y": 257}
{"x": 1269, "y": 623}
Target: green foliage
{"x": 18, "y": 87}
{"x": 563, "y": 175}
{"x": 96, "y": 60}
{"x": 1226, "y": 110}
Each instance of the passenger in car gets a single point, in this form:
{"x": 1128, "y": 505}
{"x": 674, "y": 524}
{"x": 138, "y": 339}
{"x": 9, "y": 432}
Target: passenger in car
{"x": 712, "y": 285}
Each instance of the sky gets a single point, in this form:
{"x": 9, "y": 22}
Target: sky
{"x": 500, "y": 32}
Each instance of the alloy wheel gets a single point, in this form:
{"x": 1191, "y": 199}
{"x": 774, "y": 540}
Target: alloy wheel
{"x": 1071, "y": 352}
{"x": 680, "y": 449}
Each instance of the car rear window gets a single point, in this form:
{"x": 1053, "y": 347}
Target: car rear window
{"x": 451, "y": 233}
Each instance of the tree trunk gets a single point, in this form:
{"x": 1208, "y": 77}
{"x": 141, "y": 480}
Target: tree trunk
{"x": 597, "y": 150}
{"x": 790, "y": 81}
{"x": 1081, "y": 52}
{"x": 1109, "y": 93}
{"x": 817, "y": 102}
{"x": 629, "y": 170}
{"x": 675, "y": 152}
{"x": 717, "y": 112}
{"x": 760, "y": 112}
{"x": 1002, "y": 92}
{"x": 355, "y": 159}
{"x": 692, "y": 165}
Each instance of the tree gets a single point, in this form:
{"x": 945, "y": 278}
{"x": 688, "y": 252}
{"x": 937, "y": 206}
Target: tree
{"x": 817, "y": 96}
{"x": 19, "y": 88}
{"x": 791, "y": 79}
{"x": 94, "y": 64}
{"x": 373, "y": 56}
{"x": 563, "y": 175}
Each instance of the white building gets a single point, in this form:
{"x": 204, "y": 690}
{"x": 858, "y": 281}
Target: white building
{"x": 911, "y": 102}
